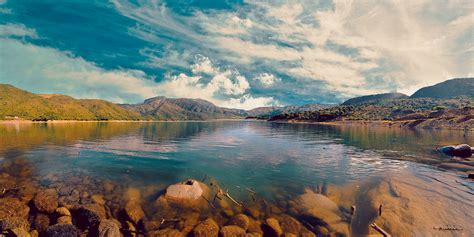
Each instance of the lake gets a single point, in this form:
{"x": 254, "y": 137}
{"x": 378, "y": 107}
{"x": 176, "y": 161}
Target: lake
{"x": 273, "y": 159}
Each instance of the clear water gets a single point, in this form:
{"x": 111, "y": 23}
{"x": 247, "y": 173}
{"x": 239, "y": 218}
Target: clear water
{"x": 266, "y": 157}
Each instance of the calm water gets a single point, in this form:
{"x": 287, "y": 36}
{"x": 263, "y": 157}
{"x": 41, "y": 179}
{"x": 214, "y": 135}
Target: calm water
{"x": 238, "y": 154}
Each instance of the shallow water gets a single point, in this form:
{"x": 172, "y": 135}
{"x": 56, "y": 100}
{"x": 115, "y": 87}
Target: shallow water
{"x": 266, "y": 157}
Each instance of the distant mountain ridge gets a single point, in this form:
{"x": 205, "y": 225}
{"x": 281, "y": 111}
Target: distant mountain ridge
{"x": 447, "y": 89}
{"x": 163, "y": 108}
{"x": 368, "y": 98}
{"x": 268, "y": 112}
{"x": 19, "y": 104}
{"x": 447, "y": 104}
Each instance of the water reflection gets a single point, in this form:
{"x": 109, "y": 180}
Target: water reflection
{"x": 264, "y": 156}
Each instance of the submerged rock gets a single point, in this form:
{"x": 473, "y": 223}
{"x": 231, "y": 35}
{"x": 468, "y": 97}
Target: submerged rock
{"x": 62, "y": 211}
{"x": 462, "y": 150}
{"x": 15, "y": 222}
{"x": 13, "y": 214}
{"x": 188, "y": 190}
{"x": 232, "y": 231}
{"x": 207, "y": 228}
{"x": 273, "y": 227}
{"x": 134, "y": 211}
{"x": 41, "y": 222}
{"x": 109, "y": 228}
{"x": 62, "y": 230}
{"x": 46, "y": 201}
{"x": 20, "y": 232}
{"x": 290, "y": 224}
{"x": 64, "y": 220}
{"x": 240, "y": 220}
{"x": 167, "y": 233}
{"x": 186, "y": 194}
{"x": 319, "y": 210}
{"x": 448, "y": 150}
{"x": 87, "y": 216}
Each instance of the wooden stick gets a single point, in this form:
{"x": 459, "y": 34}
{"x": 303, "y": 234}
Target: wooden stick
{"x": 380, "y": 230}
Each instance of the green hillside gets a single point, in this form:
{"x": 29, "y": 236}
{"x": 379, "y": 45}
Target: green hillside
{"x": 17, "y": 103}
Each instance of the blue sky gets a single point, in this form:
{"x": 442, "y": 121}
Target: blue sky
{"x": 240, "y": 54}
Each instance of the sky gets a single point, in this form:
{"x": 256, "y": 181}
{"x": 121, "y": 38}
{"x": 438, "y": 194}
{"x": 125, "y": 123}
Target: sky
{"x": 234, "y": 53}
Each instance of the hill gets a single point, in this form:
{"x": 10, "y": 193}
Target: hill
{"x": 20, "y": 104}
{"x": 368, "y": 98}
{"x": 162, "y": 108}
{"x": 268, "y": 112}
{"x": 448, "y": 89}
{"x": 452, "y": 112}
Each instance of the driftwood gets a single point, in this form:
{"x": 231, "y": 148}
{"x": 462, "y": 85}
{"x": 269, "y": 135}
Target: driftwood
{"x": 227, "y": 195}
{"x": 220, "y": 192}
{"x": 210, "y": 203}
{"x": 380, "y": 230}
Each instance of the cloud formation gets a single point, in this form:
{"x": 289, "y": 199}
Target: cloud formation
{"x": 352, "y": 47}
{"x": 245, "y": 55}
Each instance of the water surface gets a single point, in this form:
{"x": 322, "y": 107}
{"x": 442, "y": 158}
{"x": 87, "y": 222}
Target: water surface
{"x": 265, "y": 157}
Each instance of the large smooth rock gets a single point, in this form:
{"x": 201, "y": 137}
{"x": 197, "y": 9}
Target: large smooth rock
{"x": 46, "y": 201}
{"x": 62, "y": 230}
{"x": 232, "y": 231}
{"x": 109, "y": 228}
{"x": 207, "y": 228}
{"x": 188, "y": 194}
{"x": 188, "y": 190}
{"x": 316, "y": 208}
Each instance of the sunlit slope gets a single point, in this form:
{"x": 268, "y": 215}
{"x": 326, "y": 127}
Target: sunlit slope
{"x": 17, "y": 103}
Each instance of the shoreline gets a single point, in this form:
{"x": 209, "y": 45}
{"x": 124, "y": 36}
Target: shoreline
{"x": 403, "y": 124}
{"x": 114, "y": 121}
{"x": 368, "y": 123}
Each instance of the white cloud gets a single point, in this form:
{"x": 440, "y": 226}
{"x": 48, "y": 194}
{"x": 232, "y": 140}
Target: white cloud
{"x": 266, "y": 79}
{"x": 397, "y": 44}
{"x": 203, "y": 65}
{"x": 17, "y": 30}
{"x": 186, "y": 86}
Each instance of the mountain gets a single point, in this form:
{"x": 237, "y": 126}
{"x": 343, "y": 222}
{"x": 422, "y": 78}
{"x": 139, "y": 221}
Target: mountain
{"x": 448, "y": 89}
{"x": 163, "y": 108}
{"x": 17, "y": 103}
{"x": 268, "y": 112}
{"x": 379, "y": 109}
{"x": 368, "y": 98}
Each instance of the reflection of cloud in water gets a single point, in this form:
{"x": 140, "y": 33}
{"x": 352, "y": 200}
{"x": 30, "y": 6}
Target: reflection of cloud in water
{"x": 129, "y": 146}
